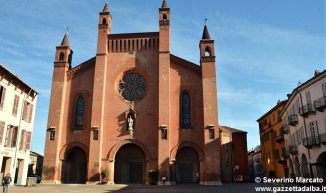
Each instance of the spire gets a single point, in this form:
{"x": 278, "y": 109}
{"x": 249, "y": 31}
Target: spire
{"x": 164, "y": 4}
{"x": 206, "y": 35}
{"x": 65, "y": 40}
{"x": 106, "y": 8}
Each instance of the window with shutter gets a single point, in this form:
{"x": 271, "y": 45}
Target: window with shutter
{"x": 14, "y": 136}
{"x": 324, "y": 89}
{"x": 15, "y": 106}
{"x": 24, "y": 117}
{"x": 22, "y": 139}
{"x": 8, "y": 134}
{"x": 28, "y": 140}
{"x": 2, "y": 96}
{"x": 308, "y": 97}
{"x": 27, "y": 111}
{"x": 2, "y": 128}
{"x": 314, "y": 129}
{"x": 30, "y": 112}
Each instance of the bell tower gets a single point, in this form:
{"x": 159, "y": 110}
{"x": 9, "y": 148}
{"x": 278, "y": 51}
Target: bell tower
{"x": 99, "y": 94}
{"x": 164, "y": 20}
{"x": 104, "y": 28}
{"x": 164, "y": 94}
{"x": 212, "y": 175}
{"x": 62, "y": 63}
{"x": 63, "y": 55}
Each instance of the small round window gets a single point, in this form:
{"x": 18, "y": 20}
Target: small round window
{"x": 132, "y": 86}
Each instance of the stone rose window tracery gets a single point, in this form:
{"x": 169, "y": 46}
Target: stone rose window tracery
{"x": 132, "y": 86}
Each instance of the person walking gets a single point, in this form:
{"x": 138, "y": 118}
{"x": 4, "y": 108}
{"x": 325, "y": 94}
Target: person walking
{"x": 5, "y": 182}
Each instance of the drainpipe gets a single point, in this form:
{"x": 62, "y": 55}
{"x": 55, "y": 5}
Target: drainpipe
{"x": 305, "y": 128}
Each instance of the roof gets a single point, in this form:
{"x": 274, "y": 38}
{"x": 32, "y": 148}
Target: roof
{"x": 233, "y": 130}
{"x": 206, "y": 35}
{"x": 272, "y": 110}
{"x": 315, "y": 78}
{"x": 106, "y": 8}
{"x": 164, "y": 4}
{"x": 65, "y": 40}
{"x": 37, "y": 154}
{"x": 6, "y": 70}
{"x": 185, "y": 63}
{"x": 88, "y": 63}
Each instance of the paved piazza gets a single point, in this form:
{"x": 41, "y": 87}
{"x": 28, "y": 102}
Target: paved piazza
{"x": 64, "y": 188}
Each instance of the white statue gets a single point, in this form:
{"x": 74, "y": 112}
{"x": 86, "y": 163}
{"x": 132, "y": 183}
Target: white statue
{"x": 130, "y": 123}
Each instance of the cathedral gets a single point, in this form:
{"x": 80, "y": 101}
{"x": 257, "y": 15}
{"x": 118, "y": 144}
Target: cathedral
{"x": 134, "y": 113}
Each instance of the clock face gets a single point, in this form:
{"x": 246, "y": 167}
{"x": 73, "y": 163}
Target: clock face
{"x": 132, "y": 86}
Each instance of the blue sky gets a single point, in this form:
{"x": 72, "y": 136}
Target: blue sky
{"x": 263, "y": 48}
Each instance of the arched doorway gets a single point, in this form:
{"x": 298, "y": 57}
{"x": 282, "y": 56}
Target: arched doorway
{"x": 129, "y": 165}
{"x": 305, "y": 166}
{"x": 297, "y": 167}
{"x": 74, "y": 166}
{"x": 321, "y": 166}
{"x": 291, "y": 172}
{"x": 187, "y": 166}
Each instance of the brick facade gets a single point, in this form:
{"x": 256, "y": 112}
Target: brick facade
{"x": 156, "y": 129}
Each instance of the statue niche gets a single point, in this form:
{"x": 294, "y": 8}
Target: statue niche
{"x": 130, "y": 120}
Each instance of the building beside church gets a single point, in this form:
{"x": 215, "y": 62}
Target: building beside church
{"x": 17, "y": 109}
{"x": 255, "y": 164}
{"x": 234, "y": 155}
{"x": 133, "y": 108}
{"x": 304, "y": 125}
{"x": 272, "y": 142}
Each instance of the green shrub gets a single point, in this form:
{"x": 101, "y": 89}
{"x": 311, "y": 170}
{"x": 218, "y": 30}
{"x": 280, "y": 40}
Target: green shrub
{"x": 105, "y": 173}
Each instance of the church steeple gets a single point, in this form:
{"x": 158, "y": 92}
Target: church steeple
{"x": 63, "y": 55}
{"x": 164, "y": 21}
{"x": 105, "y": 19}
{"x": 106, "y": 8}
{"x": 206, "y": 46}
{"x": 65, "y": 40}
{"x": 206, "y": 35}
{"x": 104, "y": 28}
{"x": 164, "y": 4}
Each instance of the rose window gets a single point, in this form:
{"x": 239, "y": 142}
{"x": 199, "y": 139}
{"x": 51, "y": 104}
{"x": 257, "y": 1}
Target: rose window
{"x": 132, "y": 86}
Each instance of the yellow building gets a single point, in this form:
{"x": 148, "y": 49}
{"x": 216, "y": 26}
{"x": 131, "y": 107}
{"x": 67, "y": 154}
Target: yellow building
{"x": 272, "y": 142}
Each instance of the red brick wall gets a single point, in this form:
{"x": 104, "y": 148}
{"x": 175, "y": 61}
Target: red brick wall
{"x": 240, "y": 156}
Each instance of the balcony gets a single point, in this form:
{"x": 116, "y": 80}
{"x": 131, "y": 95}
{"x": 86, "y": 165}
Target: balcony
{"x": 322, "y": 138}
{"x": 293, "y": 119}
{"x": 279, "y": 138}
{"x": 320, "y": 104}
{"x": 311, "y": 142}
{"x": 307, "y": 110}
{"x": 286, "y": 129}
{"x": 293, "y": 150}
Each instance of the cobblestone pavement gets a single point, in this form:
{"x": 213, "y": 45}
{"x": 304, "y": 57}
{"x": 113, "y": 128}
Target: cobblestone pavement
{"x": 65, "y": 188}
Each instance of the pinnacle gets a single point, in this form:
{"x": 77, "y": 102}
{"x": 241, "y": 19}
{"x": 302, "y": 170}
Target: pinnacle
{"x": 206, "y": 35}
{"x": 65, "y": 40}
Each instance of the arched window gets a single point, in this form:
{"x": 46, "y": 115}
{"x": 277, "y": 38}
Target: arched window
{"x": 61, "y": 57}
{"x": 165, "y": 17}
{"x": 79, "y": 116}
{"x": 207, "y": 51}
{"x": 185, "y": 110}
{"x": 104, "y": 21}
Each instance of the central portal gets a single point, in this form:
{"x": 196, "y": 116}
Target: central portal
{"x": 129, "y": 165}
{"x": 187, "y": 166}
